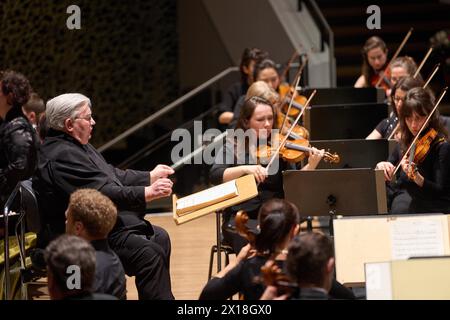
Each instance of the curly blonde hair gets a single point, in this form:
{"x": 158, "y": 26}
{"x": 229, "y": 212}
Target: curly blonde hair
{"x": 95, "y": 210}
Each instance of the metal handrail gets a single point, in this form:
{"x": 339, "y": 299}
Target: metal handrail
{"x": 167, "y": 108}
{"x": 157, "y": 143}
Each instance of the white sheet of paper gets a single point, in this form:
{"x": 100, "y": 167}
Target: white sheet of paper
{"x": 416, "y": 239}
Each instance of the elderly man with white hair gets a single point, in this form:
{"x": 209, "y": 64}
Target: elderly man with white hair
{"x": 68, "y": 162}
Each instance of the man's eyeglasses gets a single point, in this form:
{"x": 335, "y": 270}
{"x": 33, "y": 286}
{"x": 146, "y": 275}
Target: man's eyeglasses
{"x": 89, "y": 117}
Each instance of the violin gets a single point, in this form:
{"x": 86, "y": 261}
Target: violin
{"x": 272, "y": 275}
{"x": 419, "y": 151}
{"x": 382, "y": 79}
{"x": 421, "y": 146}
{"x": 297, "y": 133}
{"x": 241, "y": 220}
{"x": 293, "y": 151}
{"x": 286, "y": 91}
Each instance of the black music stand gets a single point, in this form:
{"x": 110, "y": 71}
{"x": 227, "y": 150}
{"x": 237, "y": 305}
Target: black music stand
{"x": 336, "y": 192}
{"x": 344, "y": 121}
{"x": 354, "y": 153}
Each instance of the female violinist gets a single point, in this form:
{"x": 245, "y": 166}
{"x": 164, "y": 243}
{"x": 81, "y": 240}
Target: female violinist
{"x": 424, "y": 182}
{"x": 237, "y": 159}
{"x": 279, "y": 222}
{"x": 257, "y": 89}
{"x": 250, "y": 57}
{"x": 375, "y": 61}
{"x": 384, "y": 129}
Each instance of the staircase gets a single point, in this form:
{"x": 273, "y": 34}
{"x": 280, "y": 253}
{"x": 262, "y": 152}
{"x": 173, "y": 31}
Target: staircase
{"x": 348, "y": 22}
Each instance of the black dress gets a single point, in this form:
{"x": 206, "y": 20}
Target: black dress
{"x": 434, "y": 195}
{"x": 272, "y": 187}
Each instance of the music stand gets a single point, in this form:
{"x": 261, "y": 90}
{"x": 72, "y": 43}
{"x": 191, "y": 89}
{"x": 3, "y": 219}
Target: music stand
{"x": 354, "y": 153}
{"x": 344, "y": 121}
{"x": 336, "y": 192}
{"x": 247, "y": 189}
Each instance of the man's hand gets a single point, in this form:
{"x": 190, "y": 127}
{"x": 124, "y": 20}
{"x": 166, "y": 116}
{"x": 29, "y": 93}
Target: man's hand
{"x": 160, "y": 171}
{"x": 159, "y": 189}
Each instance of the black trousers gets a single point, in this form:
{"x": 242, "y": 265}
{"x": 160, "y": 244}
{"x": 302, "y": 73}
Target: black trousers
{"x": 144, "y": 251}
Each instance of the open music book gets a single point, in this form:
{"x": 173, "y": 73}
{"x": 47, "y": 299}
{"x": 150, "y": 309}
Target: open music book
{"x": 206, "y": 197}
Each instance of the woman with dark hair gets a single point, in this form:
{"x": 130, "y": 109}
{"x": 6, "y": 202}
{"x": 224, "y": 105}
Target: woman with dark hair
{"x": 384, "y": 129}
{"x": 249, "y": 58}
{"x": 266, "y": 70}
{"x": 374, "y": 55}
{"x": 18, "y": 141}
{"x": 278, "y": 224}
{"x": 424, "y": 184}
{"x": 238, "y": 158}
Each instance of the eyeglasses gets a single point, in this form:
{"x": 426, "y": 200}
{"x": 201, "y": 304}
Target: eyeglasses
{"x": 89, "y": 117}
{"x": 398, "y": 99}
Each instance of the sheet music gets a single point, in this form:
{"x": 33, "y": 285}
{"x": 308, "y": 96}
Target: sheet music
{"x": 418, "y": 238}
{"x": 207, "y": 197}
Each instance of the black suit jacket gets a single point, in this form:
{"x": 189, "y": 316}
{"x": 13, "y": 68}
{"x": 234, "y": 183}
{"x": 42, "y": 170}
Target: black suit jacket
{"x": 64, "y": 166}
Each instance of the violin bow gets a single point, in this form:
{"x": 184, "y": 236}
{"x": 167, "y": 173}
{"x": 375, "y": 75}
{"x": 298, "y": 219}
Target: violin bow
{"x": 294, "y": 56}
{"x": 420, "y": 131}
{"x": 436, "y": 68}
{"x": 400, "y": 47}
{"x": 283, "y": 142}
{"x": 296, "y": 82}
{"x": 423, "y": 62}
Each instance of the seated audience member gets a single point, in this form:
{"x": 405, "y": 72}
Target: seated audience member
{"x": 18, "y": 141}
{"x": 91, "y": 216}
{"x": 71, "y": 270}
{"x": 34, "y": 109}
{"x": 68, "y": 162}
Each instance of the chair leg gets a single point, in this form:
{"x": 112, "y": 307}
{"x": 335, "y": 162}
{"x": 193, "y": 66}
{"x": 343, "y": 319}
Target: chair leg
{"x": 211, "y": 260}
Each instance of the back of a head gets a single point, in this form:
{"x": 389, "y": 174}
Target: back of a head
{"x": 35, "y": 104}
{"x": 308, "y": 256}
{"x": 16, "y": 87}
{"x": 70, "y": 266}
{"x": 63, "y": 107}
{"x": 94, "y": 210}
{"x": 263, "y": 90}
{"x": 277, "y": 217}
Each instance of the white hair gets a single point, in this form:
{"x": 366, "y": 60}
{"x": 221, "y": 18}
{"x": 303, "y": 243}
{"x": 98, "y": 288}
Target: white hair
{"x": 63, "y": 107}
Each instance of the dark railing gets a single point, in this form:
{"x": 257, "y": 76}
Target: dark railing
{"x": 326, "y": 33}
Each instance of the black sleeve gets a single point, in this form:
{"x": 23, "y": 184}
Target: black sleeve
{"x": 225, "y": 287}
{"x": 132, "y": 177}
{"x": 230, "y": 98}
{"x": 21, "y": 152}
{"x": 126, "y": 177}
{"x": 439, "y": 181}
{"x": 395, "y": 156}
{"x": 74, "y": 170}
{"x": 223, "y": 160}
{"x": 382, "y": 127}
